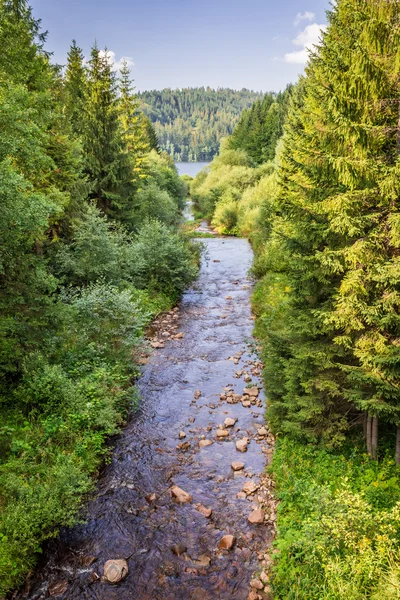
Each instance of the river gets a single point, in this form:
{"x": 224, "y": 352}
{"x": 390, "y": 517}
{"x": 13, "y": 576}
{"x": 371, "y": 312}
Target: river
{"x": 190, "y": 168}
{"x": 190, "y": 385}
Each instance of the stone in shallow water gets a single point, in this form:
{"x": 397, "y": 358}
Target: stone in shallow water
{"x": 58, "y": 589}
{"x": 206, "y": 512}
{"x": 237, "y": 466}
{"x": 227, "y": 542}
{"x": 115, "y": 570}
{"x": 205, "y": 443}
{"x": 250, "y": 487}
{"x": 178, "y": 549}
{"x": 256, "y": 517}
{"x": 241, "y": 445}
{"x": 221, "y": 433}
{"x": 229, "y": 422}
{"x": 180, "y": 495}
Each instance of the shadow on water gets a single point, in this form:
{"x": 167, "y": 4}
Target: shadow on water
{"x": 123, "y": 519}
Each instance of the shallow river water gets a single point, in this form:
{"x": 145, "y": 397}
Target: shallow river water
{"x": 123, "y": 519}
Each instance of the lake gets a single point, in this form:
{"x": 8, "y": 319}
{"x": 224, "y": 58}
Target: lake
{"x": 190, "y": 168}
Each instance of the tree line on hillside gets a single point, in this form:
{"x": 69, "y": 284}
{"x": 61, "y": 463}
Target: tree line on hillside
{"x": 89, "y": 253}
{"x": 321, "y": 207}
{"x": 191, "y": 122}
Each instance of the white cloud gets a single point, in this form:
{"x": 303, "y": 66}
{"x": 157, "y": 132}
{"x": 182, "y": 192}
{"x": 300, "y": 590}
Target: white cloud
{"x": 305, "y": 16}
{"x": 306, "y": 39}
{"x": 117, "y": 64}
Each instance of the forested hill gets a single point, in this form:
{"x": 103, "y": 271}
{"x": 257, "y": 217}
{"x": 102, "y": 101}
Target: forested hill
{"x": 191, "y": 122}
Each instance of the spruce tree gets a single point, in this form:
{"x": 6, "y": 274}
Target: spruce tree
{"x": 75, "y": 88}
{"x": 338, "y": 221}
{"x": 133, "y": 123}
{"x": 108, "y": 164}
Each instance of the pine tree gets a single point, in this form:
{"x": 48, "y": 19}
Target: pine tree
{"x": 108, "y": 164}
{"x": 75, "y": 88}
{"x": 339, "y": 226}
{"x": 134, "y": 125}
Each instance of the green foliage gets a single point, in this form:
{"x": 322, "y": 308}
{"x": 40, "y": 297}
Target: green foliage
{"x": 162, "y": 260}
{"x": 338, "y": 524}
{"x": 79, "y": 285}
{"x": 191, "y": 122}
{"x": 261, "y": 126}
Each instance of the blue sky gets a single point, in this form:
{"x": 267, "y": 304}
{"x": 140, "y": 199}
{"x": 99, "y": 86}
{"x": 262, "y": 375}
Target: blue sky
{"x": 257, "y": 44}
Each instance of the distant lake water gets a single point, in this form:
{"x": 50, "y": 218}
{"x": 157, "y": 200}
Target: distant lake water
{"x": 190, "y": 168}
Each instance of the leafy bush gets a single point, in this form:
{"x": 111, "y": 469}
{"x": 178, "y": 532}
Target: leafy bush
{"x": 162, "y": 260}
{"x": 155, "y": 203}
{"x": 338, "y": 524}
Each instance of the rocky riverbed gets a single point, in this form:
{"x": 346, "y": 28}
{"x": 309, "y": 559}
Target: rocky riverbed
{"x": 184, "y": 509}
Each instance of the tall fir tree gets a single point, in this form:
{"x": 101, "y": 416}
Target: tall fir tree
{"x": 75, "y": 88}
{"x": 339, "y": 225}
{"x": 108, "y": 164}
{"x": 133, "y": 123}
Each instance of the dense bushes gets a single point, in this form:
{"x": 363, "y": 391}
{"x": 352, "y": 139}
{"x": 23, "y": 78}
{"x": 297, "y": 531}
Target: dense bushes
{"x": 338, "y": 525}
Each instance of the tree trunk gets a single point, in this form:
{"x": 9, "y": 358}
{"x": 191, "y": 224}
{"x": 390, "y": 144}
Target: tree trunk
{"x": 398, "y": 446}
{"x": 368, "y": 434}
{"x": 374, "y": 438}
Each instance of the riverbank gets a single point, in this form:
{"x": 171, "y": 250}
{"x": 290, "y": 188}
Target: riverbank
{"x": 200, "y": 428}
{"x": 338, "y": 529}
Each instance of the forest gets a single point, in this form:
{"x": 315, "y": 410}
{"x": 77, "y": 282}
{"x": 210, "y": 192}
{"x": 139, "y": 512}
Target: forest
{"x": 90, "y": 252}
{"x": 319, "y": 199}
{"x": 191, "y": 122}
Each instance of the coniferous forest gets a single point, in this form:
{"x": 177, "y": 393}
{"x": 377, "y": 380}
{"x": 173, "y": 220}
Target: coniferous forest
{"x": 191, "y": 122}
{"x": 319, "y": 199}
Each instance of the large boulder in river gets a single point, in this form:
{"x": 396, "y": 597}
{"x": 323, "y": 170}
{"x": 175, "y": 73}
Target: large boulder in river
{"x": 115, "y": 570}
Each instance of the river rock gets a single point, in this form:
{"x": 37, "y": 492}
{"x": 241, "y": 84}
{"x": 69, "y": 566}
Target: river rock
{"x": 197, "y": 394}
{"x": 182, "y": 435}
{"x": 205, "y": 443}
{"x": 250, "y": 487}
{"x": 222, "y": 433}
{"x": 206, "y": 512}
{"x": 264, "y": 577}
{"x": 180, "y": 495}
{"x": 203, "y": 561}
{"x": 256, "y": 517}
{"x": 58, "y": 588}
{"x": 115, "y": 570}
{"x": 253, "y": 391}
{"x": 229, "y": 422}
{"x": 227, "y": 542}
{"x": 237, "y": 466}
{"x": 157, "y": 345}
{"x": 256, "y": 584}
{"x": 262, "y": 431}
{"x": 246, "y": 403}
{"x": 178, "y": 549}
{"x": 241, "y": 445}
{"x": 253, "y": 596}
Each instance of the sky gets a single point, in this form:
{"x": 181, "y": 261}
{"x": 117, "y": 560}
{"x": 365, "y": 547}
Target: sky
{"x": 255, "y": 44}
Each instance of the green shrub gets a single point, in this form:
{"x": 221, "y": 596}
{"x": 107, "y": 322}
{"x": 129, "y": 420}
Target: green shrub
{"x": 338, "y": 524}
{"x": 162, "y": 260}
